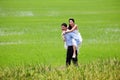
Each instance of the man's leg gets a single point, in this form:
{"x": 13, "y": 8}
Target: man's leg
{"x": 75, "y": 60}
{"x": 69, "y": 55}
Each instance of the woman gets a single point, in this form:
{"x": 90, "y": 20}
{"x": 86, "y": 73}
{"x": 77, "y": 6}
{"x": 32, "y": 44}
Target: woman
{"x": 74, "y": 28}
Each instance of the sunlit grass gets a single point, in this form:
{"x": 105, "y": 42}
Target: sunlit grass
{"x": 108, "y": 69}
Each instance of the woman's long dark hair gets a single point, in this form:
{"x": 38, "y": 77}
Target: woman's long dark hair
{"x": 70, "y": 27}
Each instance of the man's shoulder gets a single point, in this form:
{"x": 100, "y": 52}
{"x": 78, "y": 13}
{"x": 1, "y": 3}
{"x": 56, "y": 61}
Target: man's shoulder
{"x": 70, "y": 33}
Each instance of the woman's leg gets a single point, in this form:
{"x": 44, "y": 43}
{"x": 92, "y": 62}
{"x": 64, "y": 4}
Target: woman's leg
{"x": 74, "y": 51}
{"x": 74, "y": 48}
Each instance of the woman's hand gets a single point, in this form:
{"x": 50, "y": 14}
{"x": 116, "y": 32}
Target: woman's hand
{"x": 63, "y": 33}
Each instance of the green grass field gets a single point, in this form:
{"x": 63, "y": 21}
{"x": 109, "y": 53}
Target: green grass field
{"x": 30, "y": 31}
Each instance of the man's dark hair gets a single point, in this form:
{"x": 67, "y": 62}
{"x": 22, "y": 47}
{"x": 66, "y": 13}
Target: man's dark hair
{"x": 64, "y": 24}
{"x": 72, "y": 20}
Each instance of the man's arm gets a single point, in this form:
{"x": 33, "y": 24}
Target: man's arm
{"x": 63, "y": 37}
{"x": 74, "y": 36}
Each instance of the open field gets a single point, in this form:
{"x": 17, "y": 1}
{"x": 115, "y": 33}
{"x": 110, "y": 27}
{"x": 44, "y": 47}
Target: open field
{"x": 30, "y": 31}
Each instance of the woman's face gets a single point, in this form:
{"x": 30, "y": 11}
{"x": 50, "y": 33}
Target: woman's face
{"x": 71, "y": 22}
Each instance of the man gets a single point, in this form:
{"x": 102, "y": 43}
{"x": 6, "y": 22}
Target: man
{"x": 68, "y": 39}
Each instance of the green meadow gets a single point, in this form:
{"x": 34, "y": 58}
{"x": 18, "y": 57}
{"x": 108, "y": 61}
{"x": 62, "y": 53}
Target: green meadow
{"x": 30, "y": 34}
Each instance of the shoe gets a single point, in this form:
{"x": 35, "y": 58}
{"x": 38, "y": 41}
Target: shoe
{"x": 73, "y": 56}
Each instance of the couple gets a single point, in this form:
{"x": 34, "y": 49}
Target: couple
{"x": 72, "y": 39}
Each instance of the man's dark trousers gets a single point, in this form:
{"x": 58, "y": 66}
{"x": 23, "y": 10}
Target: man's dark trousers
{"x": 69, "y": 56}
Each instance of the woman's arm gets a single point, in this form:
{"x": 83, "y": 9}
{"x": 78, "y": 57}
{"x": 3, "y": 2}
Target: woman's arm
{"x": 71, "y": 29}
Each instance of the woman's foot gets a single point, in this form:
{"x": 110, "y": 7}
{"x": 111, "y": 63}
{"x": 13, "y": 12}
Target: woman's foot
{"x": 73, "y": 56}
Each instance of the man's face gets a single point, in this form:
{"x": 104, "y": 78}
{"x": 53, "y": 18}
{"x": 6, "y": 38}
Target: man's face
{"x": 63, "y": 28}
